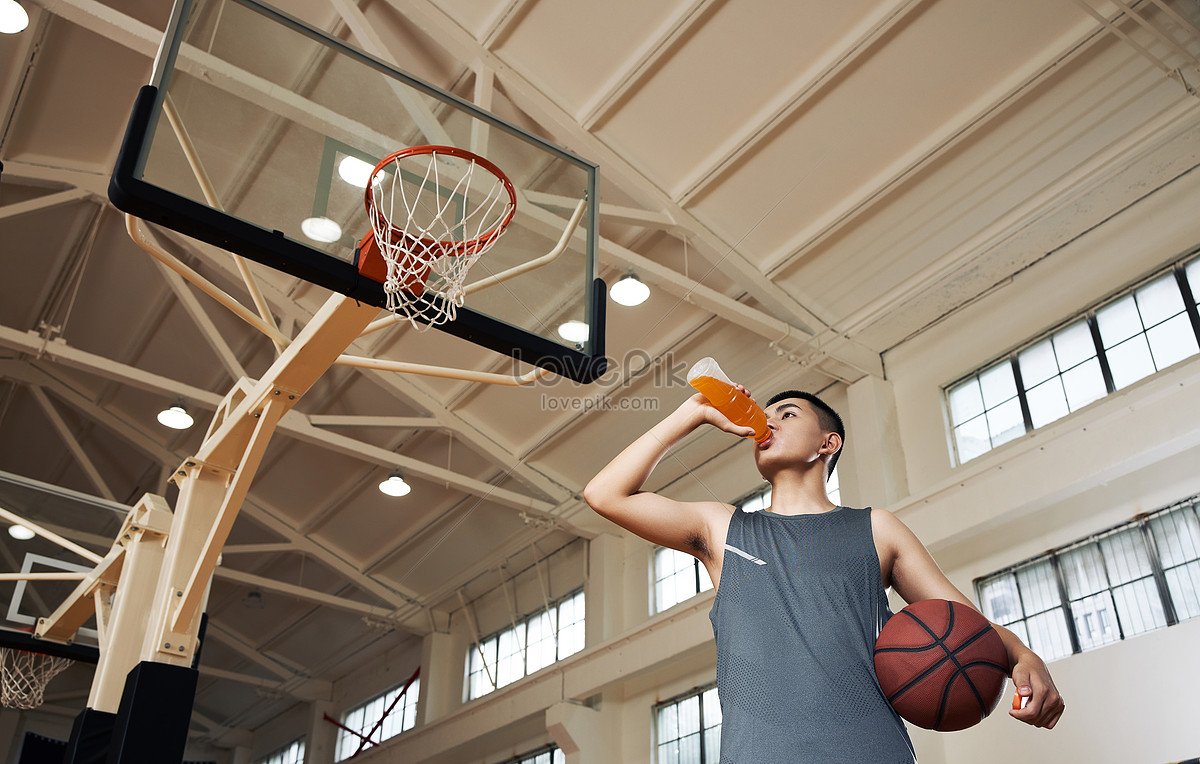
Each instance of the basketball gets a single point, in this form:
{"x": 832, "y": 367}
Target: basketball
{"x": 941, "y": 665}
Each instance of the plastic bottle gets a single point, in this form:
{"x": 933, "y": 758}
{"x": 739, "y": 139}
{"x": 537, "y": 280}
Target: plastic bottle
{"x": 706, "y": 376}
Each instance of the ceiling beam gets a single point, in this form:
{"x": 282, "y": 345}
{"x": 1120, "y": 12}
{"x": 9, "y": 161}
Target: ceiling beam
{"x": 47, "y": 202}
{"x": 852, "y": 48}
{"x": 952, "y": 132}
{"x": 660, "y": 43}
{"x": 72, "y": 443}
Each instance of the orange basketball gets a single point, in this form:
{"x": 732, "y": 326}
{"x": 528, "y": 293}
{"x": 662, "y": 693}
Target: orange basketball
{"x": 941, "y": 665}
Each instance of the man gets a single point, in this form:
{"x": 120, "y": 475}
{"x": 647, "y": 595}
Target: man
{"x": 801, "y": 591}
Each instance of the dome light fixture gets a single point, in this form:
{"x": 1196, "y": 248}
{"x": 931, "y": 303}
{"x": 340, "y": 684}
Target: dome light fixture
{"x": 395, "y": 485}
{"x": 355, "y": 171}
{"x": 574, "y": 331}
{"x": 13, "y": 18}
{"x": 176, "y": 417}
{"x": 629, "y": 291}
{"x": 20, "y": 532}
{"x": 319, "y": 229}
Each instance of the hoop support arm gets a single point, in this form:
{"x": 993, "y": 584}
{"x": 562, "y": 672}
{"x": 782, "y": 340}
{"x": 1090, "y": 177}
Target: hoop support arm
{"x": 210, "y": 194}
{"x": 444, "y": 372}
{"x": 536, "y": 263}
{"x": 141, "y": 236}
{"x": 86, "y": 554}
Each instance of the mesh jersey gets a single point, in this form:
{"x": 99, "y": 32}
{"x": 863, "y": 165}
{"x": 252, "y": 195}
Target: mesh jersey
{"x": 796, "y": 615}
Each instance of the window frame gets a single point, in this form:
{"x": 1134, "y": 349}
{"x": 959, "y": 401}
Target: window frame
{"x": 1142, "y": 527}
{"x": 411, "y": 688}
{"x": 1178, "y": 269}
{"x": 493, "y": 660}
{"x": 698, "y": 693}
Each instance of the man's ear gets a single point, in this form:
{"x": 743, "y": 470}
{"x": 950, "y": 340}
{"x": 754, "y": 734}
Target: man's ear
{"x": 832, "y": 444}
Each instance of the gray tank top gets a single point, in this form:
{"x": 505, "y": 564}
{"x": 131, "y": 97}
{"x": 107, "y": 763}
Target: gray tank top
{"x": 796, "y": 615}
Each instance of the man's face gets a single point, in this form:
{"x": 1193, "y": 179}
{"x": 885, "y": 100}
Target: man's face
{"x": 796, "y": 435}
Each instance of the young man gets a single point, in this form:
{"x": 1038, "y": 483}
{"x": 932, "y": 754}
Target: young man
{"x": 801, "y": 591}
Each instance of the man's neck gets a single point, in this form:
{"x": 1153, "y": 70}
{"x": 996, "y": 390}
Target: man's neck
{"x": 800, "y": 493}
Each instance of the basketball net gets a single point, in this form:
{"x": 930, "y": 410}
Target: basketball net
{"x": 434, "y": 211}
{"x": 24, "y": 676}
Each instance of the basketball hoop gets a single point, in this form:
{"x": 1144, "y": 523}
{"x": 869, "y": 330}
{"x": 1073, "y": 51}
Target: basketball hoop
{"x": 24, "y": 676}
{"x": 434, "y": 211}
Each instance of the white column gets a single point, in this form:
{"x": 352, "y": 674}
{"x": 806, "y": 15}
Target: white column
{"x": 876, "y": 472}
{"x": 322, "y": 736}
{"x": 606, "y": 596}
{"x": 441, "y": 674}
{"x": 582, "y": 733}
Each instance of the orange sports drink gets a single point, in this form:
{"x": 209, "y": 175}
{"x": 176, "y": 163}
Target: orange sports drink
{"x": 706, "y": 376}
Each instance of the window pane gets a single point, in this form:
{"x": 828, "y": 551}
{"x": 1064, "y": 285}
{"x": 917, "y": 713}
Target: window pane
{"x": 1177, "y": 535}
{"x": 966, "y": 401}
{"x": 511, "y": 661}
{"x": 668, "y": 723}
{"x": 1159, "y": 300}
{"x": 1048, "y": 635}
{"x": 1095, "y": 621}
{"x": 712, "y": 745}
{"x": 1118, "y": 321}
{"x": 1038, "y": 588}
{"x": 689, "y": 749}
{"x": 689, "y": 715}
{"x": 1130, "y": 361}
{"x": 971, "y": 439}
{"x": 1192, "y": 270}
{"x": 997, "y": 384}
{"x": 1047, "y": 402}
{"x": 1140, "y": 607}
{"x": 1037, "y": 363}
{"x": 999, "y": 599}
{"x": 1172, "y": 341}
{"x": 1005, "y": 422}
{"x": 1184, "y": 585}
{"x": 712, "y": 708}
{"x": 1073, "y": 345}
{"x": 1126, "y": 555}
{"x": 1083, "y": 571}
{"x": 1084, "y": 384}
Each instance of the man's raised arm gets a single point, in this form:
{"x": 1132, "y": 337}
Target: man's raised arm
{"x": 616, "y": 491}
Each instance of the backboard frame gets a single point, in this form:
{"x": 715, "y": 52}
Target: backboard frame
{"x": 130, "y": 193}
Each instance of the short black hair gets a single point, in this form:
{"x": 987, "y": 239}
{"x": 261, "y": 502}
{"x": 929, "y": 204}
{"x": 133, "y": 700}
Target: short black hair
{"x": 829, "y": 419}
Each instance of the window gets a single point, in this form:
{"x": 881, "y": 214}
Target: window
{"x": 1136, "y": 577}
{"x": 292, "y": 753}
{"x": 688, "y": 729}
{"x": 1139, "y": 332}
{"x": 400, "y": 707}
{"x": 533, "y": 643}
{"x": 677, "y": 576}
{"x": 548, "y": 755}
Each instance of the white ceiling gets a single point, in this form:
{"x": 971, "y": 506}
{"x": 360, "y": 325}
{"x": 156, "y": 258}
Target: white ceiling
{"x": 803, "y": 184}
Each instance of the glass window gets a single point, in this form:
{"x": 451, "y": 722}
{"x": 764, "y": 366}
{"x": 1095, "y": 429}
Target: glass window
{"x": 985, "y": 411}
{"x": 677, "y": 576}
{"x": 1177, "y": 537}
{"x": 380, "y": 718}
{"x": 1111, "y": 584}
{"x": 292, "y": 753}
{"x": 1140, "y": 332}
{"x": 688, "y": 729}
{"x": 531, "y": 644}
{"x": 1146, "y": 331}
